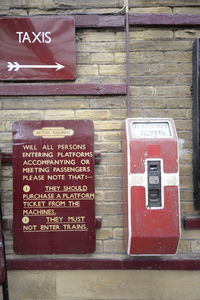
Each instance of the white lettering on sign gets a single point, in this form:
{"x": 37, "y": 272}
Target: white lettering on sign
{"x": 32, "y": 37}
{"x": 151, "y": 130}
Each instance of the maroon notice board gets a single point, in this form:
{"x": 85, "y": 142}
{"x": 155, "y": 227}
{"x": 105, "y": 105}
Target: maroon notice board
{"x": 53, "y": 178}
{"x": 37, "y": 48}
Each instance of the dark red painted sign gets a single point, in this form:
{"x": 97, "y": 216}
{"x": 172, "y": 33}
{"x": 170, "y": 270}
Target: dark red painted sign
{"x": 37, "y": 48}
{"x": 53, "y": 177}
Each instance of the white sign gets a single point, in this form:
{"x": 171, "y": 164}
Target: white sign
{"x": 151, "y": 130}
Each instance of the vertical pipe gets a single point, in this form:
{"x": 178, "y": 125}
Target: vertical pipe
{"x": 128, "y": 99}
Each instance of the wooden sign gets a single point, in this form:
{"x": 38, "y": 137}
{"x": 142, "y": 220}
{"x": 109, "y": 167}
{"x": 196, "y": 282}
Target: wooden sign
{"x": 53, "y": 178}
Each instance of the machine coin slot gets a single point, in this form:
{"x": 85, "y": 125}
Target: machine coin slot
{"x": 154, "y": 184}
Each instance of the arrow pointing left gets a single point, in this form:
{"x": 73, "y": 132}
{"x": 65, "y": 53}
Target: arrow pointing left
{"x": 15, "y": 66}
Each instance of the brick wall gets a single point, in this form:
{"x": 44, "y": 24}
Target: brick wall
{"x": 161, "y": 79}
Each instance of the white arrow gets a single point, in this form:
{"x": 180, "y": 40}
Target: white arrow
{"x": 16, "y": 66}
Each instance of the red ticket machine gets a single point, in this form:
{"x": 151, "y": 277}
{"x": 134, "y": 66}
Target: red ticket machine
{"x": 151, "y": 186}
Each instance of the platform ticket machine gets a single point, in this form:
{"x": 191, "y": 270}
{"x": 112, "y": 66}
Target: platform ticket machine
{"x": 151, "y": 186}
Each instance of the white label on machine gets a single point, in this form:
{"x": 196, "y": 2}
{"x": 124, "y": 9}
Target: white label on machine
{"x": 151, "y": 130}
